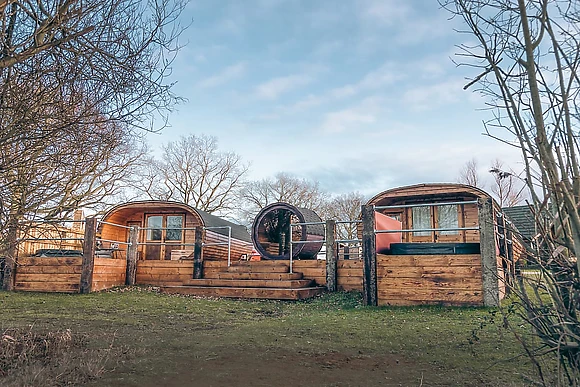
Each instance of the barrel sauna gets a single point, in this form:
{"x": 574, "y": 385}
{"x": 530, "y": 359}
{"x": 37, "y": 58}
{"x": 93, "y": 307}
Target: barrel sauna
{"x": 271, "y": 237}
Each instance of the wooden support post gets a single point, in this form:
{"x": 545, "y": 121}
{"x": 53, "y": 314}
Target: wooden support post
{"x": 197, "y": 250}
{"x": 331, "y": 271}
{"x": 9, "y": 273}
{"x": 369, "y": 256}
{"x": 131, "y": 273}
{"x": 487, "y": 248}
{"x": 88, "y": 255}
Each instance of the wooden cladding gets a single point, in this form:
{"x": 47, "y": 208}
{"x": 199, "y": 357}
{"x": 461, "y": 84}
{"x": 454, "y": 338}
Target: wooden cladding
{"x": 108, "y": 273}
{"x": 164, "y": 272}
{"x": 63, "y": 274}
{"x": 429, "y": 279}
{"x": 54, "y": 274}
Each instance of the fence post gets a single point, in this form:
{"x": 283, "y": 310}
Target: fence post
{"x": 487, "y": 250}
{"x": 369, "y": 256}
{"x": 197, "y": 262}
{"x": 131, "y": 273}
{"x": 331, "y": 269}
{"x": 88, "y": 255}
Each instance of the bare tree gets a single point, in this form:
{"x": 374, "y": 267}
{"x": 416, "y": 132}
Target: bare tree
{"x": 469, "y": 174}
{"x": 507, "y": 187}
{"x": 76, "y": 81}
{"x": 526, "y": 57}
{"x": 193, "y": 171}
{"x": 282, "y": 188}
{"x": 345, "y": 208}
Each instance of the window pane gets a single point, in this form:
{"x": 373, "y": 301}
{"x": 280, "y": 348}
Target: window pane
{"x": 448, "y": 219}
{"x": 421, "y": 219}
{"x": 174, "y": 225}
{"x": 154, "y": 225}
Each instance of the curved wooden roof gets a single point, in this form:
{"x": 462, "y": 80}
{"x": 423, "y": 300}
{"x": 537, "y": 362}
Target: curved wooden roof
{"x": 206, "y": 219}
{"x": 417, "y": 191}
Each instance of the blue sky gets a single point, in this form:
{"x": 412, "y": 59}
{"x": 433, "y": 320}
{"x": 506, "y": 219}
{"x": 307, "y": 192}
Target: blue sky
{"x": 359, "y": 95}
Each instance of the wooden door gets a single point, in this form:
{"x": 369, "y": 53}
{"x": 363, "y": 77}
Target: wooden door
{"x": 164, "y": 234}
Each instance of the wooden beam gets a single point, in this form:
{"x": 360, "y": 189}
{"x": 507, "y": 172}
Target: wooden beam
{"x": 131, "y": 272}
{"x": 487, "y": 248}
{"x": 88, "y": 263}
{"x": 369, "y": 256}
{"x": 197, "y": 254}
{"x": 331, "y": 255}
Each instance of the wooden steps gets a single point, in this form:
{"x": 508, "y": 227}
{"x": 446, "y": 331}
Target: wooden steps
{"x": 256, "y": 280}
{"x": 251, "y": 283}
{"x": 236, "y": 292}
{"x": 255, "y": 276}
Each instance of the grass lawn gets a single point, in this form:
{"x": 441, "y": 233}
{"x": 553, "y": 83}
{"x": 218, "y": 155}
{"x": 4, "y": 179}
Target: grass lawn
{"x": 137, "y": 337}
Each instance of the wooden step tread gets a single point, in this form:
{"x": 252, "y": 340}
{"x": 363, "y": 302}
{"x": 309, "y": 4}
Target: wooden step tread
{"x": 250, "y": 283}
{"x": 241, "y": 292}
{"x": 259, "y": 269}
{"x": 254, "y": 276}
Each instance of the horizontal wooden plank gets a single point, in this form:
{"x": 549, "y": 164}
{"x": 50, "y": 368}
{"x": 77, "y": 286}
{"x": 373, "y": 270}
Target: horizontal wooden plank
{"x": 428, "y": 272}
{"x": 466, "y": 283}
{"x": 165, "y": 270}
{"x": 270, "y": 293}
{"x": 341, "y": 272}
{"x": 429, "y": 260}
{"x": 250, "y": 283}
{"x": 404, "y": 302}
{"x": 431, "y": 294}
{"x": 164, "y": 264}
{"x": 47, "y": 287}
{"x": 350, "y": 281}
{"x": 48, "y": 278}
{"x": 350, "y": 263}
{"x": 110, "y": 262}
{"x": 48, "y": 269}
{"x": 49, "y": 261}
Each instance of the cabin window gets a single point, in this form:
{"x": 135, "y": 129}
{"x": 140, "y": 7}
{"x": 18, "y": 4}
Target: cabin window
{"x": 447, "y": 218}
{"x": 154, "y": 228}
{"x": 174, "y": 228}
{"x": 421, "y": 220}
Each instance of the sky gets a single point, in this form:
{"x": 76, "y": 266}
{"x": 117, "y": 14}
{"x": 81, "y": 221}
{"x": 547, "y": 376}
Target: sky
{"x": 357, "y": 95}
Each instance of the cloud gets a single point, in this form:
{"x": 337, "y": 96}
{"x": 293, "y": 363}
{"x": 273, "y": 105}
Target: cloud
{"x": 273, "y": 88}
{"x": 229, "y": 73}
{"x": 365, "y": 113}
{"x": 429, "y": 97}
{"x": 388, "y": 12}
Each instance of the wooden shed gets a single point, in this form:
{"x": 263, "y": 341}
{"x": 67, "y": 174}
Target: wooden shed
{"x": 456, "y": 247}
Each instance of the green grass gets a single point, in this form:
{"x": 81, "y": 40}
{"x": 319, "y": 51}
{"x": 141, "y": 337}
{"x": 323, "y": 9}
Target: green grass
{"x": 157, "y": 335}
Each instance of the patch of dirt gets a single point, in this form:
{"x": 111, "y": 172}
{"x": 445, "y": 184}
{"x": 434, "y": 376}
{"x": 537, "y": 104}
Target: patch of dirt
{"x": 278, "y": 367}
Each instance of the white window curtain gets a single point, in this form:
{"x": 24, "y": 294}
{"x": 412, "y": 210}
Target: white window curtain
{"x": 447, "y": 218}
{"x": 421, "y": 220}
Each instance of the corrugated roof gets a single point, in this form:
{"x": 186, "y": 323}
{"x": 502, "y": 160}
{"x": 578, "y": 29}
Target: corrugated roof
{"x": 238, "y": 231}
{"x": 523, "y": 219}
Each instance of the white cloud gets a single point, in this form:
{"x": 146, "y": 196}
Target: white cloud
{"x": 229, "y": 73}
{"x": 389, "y": 12}
{"x": 428, "y": 97}
{"x": 363, "y": 114}
{"x": 273, "y": 88}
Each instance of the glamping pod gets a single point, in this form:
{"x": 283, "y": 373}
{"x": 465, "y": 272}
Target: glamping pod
{"x": 167, "y": 231}
{"x": 272, "y": 239}
{"x": 449, "y": 244}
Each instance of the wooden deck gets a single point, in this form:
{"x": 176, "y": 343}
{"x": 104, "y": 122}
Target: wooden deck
{"x": 252, "y": 280}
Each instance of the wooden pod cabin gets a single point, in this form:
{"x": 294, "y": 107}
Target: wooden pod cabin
{"x": 456, "y": 247}
{"x": 167, "y": 231}
{"x": 271, "y": 236}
